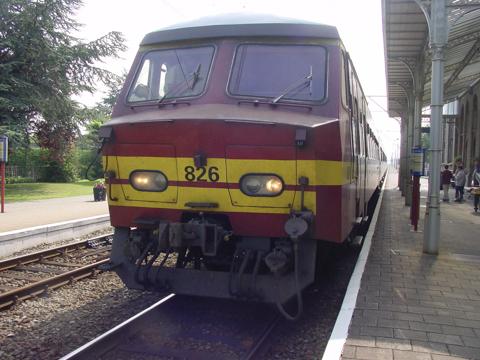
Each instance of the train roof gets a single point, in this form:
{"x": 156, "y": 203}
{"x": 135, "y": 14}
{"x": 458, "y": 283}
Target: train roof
{"x": 240, "y": 25}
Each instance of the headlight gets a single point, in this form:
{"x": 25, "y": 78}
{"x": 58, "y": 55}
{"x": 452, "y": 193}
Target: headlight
{"x": 261, "y": 185}
{"x": 145, "y": 180}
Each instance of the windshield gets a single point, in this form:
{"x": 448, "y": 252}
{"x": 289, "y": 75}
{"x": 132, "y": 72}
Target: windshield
{"x": 295, "y": 72}
{"x": 173, "y": 73}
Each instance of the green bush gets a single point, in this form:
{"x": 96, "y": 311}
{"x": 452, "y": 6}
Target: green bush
{"x": 18, "y": 180}
{"x": 83, "y": 159}
{"x": 60, "y": 173}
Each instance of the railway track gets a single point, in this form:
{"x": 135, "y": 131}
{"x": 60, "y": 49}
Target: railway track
{"x": 167, "y": 330}
{"x": 260, "y": 346}
{"x": 31, "y": 275}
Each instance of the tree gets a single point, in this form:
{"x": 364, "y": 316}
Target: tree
{"x": 87, "y": 151}
{"x": 42, "y": 65}
{"x": 89, "y": 143}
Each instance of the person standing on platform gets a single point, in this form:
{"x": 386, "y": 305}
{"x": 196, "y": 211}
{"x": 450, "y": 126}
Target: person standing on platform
{"x": 458, "y": 162}
{"x": 460, "y": 179}
{"x": 476, "y": 173}
{"x": 476, "y": 184}
{"x": 446, "y": 178}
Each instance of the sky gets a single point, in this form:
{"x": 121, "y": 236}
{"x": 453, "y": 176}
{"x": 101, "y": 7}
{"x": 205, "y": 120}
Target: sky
{"x": 359, "y": 23}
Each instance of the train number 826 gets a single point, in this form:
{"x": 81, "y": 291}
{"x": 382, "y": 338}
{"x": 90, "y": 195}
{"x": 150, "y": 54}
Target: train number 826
{"x": 202, "y": 173}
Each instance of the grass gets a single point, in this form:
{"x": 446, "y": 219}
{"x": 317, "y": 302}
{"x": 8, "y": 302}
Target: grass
{"x": 38, "y": 191}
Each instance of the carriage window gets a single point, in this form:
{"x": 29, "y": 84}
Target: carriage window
{"x": 172, "y": 73}
{"x": 280, "y": 72}
{"x": 345, "y": 82}
{"x": 365, "y": 136}
{"x": 357, "y": 127}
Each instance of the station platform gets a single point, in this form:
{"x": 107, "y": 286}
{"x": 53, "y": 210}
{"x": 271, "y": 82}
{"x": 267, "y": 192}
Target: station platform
{"x": 412, "y": 305}
{"x": 21, "y": 215}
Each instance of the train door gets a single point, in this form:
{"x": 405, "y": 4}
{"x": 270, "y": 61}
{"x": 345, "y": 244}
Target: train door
{"x": 353, "y": 106}
{"x": 360, "y": 167}
{"x": 364, "y": 161}
{"x": 371, "y": 168}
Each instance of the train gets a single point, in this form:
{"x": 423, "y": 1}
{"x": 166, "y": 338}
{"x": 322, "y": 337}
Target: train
{"x": 237, "y": 145}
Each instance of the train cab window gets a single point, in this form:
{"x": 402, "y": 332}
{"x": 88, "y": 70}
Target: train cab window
{"x": 279, "y": 72}
{"x": 172, "y": 73}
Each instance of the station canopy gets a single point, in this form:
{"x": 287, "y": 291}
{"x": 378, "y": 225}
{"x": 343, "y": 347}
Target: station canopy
{"x": 407, "y": 52}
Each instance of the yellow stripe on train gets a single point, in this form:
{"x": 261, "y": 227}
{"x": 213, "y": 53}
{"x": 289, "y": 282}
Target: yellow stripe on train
{"x": 220, "y": 196}
{"x": 319, "y": 172}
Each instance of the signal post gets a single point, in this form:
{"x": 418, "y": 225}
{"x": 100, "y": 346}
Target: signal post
{"x": 3, "y": 161}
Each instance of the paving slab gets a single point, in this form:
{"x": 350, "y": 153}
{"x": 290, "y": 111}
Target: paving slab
{"x": 20, "y": 215}
{"x": 413, "y": 305}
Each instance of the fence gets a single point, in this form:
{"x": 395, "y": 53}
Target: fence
{"x": 32, "y": 172}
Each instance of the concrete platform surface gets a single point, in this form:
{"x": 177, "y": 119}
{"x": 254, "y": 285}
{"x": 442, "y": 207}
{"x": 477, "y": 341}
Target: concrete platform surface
{"x": 20, "y": 215}
{"x": 417, "y": 306}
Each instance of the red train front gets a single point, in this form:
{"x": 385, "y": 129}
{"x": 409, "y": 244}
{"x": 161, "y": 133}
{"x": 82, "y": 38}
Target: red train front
{"x": 235, "y": 147}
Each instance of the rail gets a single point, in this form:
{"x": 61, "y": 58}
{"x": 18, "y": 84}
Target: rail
{"x": 20, "y": 268}
{"x": 105, "y": 342}
{"x": 127, "y": 340}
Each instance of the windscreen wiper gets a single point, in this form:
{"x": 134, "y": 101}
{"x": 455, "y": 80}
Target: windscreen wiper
{"x": 298, "y": 84}
{"x": 194, "y": 76}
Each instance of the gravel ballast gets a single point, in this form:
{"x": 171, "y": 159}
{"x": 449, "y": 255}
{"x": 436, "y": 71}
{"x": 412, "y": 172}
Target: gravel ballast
{"x": 52, "y": 325}
{"x": 59, "y": 322}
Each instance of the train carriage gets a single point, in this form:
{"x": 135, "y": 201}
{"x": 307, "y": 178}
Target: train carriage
{"x": 236, "y": 146}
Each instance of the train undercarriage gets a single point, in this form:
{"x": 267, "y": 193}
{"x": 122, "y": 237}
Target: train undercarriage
{"x": 203, "y": 257}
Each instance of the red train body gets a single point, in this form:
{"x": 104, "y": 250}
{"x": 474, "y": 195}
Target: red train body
{"x": 236, "y": 146}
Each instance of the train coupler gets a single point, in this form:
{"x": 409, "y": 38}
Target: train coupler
{"x": 205, "y": 235}
{"x": 169, "y": 235}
